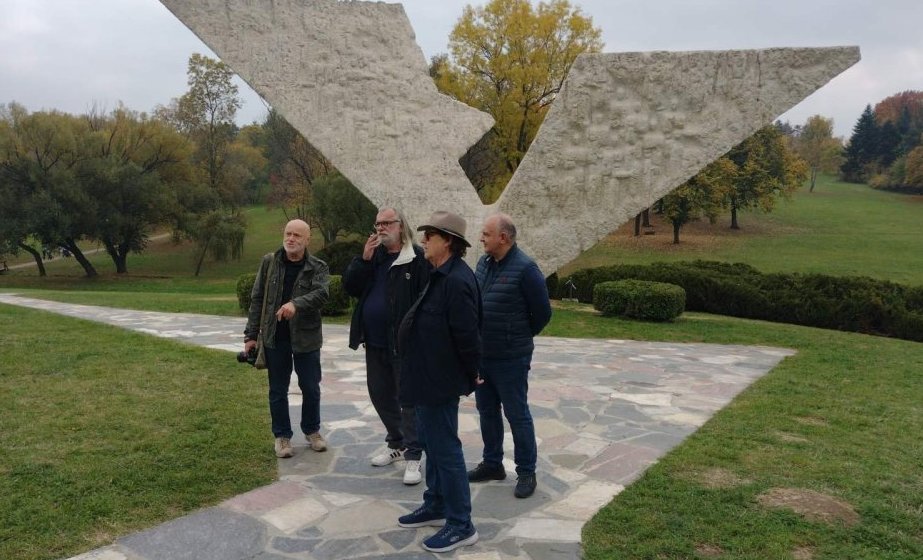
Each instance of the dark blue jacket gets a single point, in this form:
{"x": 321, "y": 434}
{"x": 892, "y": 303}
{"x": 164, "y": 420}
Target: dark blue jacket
{"x": 406, "y": 278}
{"x": 439, "y": 339}
{"x": 516, "y": 304}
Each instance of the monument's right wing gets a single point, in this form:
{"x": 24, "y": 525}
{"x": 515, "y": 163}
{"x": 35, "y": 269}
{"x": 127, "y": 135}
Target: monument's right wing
{"x": 628, "y": 128}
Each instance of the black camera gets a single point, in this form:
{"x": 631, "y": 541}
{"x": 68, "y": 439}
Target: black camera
{"x": 247, "y": 357}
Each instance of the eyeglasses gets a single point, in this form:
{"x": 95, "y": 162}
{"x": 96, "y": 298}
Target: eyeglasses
{"x": 427, "y": 233}
{"x": 385, "y": 223}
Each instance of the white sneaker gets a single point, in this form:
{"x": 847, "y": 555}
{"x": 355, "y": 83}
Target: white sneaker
{"x": 412, "y": 473}
{"x": 387, "y": 457}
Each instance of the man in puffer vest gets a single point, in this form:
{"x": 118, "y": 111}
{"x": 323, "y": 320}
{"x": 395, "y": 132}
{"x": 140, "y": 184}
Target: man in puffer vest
{"x": 516, "y": 308}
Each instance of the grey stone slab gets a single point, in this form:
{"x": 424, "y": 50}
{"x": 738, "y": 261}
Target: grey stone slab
{"x": 567, "y": 460}
{"x": 553, "y": 551}
{"x": 345, "y": 548}
{"x": 575, "y": 416}
{"x": 333, "y": 412}
{"x": 404, "y": 555}
{"x": 488, "y": 531}
{"x": 362, "y": 450}
{"x": 290, "y": 545}
{"x": 553, "y": 483}
{"x": 509, "y": 548}
{"x": 310, "y": 532}
{"x": 542, "y": 412}
{"x": 361, "y": 466}
{"x": 660, "y": 441}
{"x": 399, "y": 539}
{"x": 497, "y": 501}
{"x": 379, "y": 487}
{"x": 340, "y": 438}
{"x": 620, "y": 432}
{"x": 213, "y": 534}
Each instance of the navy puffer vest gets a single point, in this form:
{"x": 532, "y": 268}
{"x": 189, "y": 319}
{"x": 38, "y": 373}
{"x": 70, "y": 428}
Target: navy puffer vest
{"x": 505, "y": 332}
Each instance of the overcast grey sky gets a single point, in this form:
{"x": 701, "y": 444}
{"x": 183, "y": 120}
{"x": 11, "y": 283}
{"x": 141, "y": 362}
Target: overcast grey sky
{"x": 72, "y": 54}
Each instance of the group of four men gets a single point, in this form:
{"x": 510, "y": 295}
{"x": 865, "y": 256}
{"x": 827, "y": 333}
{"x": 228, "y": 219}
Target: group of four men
{"x": 433, "y": 330}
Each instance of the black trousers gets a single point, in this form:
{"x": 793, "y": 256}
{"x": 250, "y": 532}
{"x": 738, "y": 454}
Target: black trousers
{"x": 383, "y": 376}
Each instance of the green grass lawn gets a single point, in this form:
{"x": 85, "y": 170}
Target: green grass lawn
{"x": 839, "y": 229}
{"x": 841, "y": 418}
{"x": 97, "y": 441}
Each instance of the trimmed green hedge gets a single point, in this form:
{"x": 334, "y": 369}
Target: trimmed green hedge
{"x": 857, "y": 304}
{"x": 337, "y": 303}
{"x": 640, "y": 299}
{"x": 244, "y": 287}
{"x": 339, "y": 254}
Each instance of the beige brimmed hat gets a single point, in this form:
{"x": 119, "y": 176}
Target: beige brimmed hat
{"x": 447, "y": 222}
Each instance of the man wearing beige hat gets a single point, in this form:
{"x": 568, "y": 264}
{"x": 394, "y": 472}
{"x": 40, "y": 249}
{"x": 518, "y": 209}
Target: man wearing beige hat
{"x": 439, "y": 343}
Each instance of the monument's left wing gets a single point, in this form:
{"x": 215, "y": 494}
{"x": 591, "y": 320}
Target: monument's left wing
{"x": 351, "y": 78}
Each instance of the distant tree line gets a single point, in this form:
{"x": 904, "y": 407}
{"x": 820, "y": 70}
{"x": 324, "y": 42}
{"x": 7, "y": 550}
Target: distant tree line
{"x": 886, "y": 146}
{"x": 114, "y": 178}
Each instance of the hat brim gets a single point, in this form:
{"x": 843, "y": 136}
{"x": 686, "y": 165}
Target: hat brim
{"x": 448, "y": 231}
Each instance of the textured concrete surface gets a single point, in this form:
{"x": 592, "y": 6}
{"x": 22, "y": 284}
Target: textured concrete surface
{"x": 627, "y": 129}
{"x": 605, "y": 410}
{"x": 351, "y": 78}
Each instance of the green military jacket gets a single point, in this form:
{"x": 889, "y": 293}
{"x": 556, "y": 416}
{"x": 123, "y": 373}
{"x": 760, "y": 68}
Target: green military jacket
{"x": 308, "y": 295}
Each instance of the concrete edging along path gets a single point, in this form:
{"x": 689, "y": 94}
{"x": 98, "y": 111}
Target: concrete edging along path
{"x": 604, "y": 411}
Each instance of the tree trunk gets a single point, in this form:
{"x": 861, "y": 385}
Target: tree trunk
{"x": 38, "y": 258}
{"x": 198, "y": 266}
{"x": 646, "y": 217}
{"x": 79, "y": 256}
{"x": 676, "y": 225}
{"x": 813, "y": 178}
{"x": 638, "y": 225}
{"x": 119, "y": 256}
{"x": 734, "y": 217}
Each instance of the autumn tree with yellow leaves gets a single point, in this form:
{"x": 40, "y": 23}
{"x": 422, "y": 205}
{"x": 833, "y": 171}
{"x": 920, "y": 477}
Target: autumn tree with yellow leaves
{"x": 509, "y": 58}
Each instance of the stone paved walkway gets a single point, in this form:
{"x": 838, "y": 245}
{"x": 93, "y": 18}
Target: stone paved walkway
{"x": 604, "y": 411}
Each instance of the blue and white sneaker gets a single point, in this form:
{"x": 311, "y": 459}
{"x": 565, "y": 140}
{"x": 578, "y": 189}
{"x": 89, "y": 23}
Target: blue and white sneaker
{"x": 450, "y": 538}
{"x": 421, "y": 517}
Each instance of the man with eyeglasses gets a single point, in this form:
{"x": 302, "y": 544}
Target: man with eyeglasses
{"x": 387, "y": 278}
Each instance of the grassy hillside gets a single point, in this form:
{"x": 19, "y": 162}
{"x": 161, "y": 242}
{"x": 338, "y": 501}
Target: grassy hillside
{"x": 839, "y": 229}
{"x": 165, "y": 266}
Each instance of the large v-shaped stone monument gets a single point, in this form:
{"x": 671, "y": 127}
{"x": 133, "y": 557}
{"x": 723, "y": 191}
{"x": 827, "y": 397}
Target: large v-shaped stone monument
{"x": 626, "y": 129}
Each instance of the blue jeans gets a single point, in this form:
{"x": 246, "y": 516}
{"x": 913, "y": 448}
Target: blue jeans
{"x": 279, "y": 362}
{"x": 506, "y": 385}
{"x": 447, "y": 490}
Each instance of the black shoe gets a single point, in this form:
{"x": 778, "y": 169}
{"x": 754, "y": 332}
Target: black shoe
{"x": 484, "y": 472}
{"x": 525, "y": 485}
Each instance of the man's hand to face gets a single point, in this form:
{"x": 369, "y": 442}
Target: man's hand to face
{"x": 371, "y": 244}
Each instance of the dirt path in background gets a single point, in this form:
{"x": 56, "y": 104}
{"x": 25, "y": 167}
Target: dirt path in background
{"x": 89, "y": 252}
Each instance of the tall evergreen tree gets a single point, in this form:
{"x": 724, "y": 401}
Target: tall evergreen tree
{"x": 863, "y": 149}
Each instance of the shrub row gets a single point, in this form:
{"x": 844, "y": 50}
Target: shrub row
{"x": 639, "y": 299}
{"x": 337, "y": 303}
{"x": 858, "y": 304}
{"x": 339, "y": 254}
